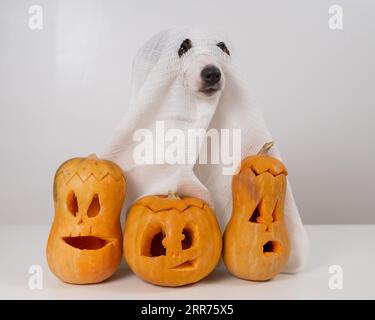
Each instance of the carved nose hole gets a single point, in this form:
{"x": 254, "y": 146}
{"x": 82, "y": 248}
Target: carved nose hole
{"x": 272, "y": 247}
{"x": 72, "y": 203}
{"x": 157, "y": 248}
{"x": 187, "y": 242}
{"x": 94, "y": 207}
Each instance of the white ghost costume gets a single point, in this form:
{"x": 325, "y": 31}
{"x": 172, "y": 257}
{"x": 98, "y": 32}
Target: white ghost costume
{"x": 162, "y": 100}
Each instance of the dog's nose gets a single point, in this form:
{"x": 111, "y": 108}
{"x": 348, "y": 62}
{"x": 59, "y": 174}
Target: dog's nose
{"x": 210, "y": 74}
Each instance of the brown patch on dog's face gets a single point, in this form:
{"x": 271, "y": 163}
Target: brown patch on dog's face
{"x": 223, "y": 47}
{"x": 185, "y": 46}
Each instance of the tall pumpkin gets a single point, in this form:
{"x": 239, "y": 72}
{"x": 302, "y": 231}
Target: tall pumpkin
{"x": 172, "y": 241}
{"x": 256, "y": 244}
{"x": 85, "y": 242}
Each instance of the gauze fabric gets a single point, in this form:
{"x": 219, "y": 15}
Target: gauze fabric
{"x": 160, "y": 96}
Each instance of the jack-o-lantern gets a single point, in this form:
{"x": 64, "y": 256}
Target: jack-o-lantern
{"x": 85, "y": 242}
{"x": 172, "y": 241}
{"x": 256, "y": 245}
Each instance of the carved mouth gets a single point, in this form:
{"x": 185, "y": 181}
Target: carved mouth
{"x": 86, "y": 242}
{"x": 272, "y": 247}
{"x": 188, "y": 264}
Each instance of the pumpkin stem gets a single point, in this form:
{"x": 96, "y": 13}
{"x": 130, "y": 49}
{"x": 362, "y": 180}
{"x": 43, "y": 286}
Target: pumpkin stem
{"x": 92, "y": 156}
{"x": 173, "y": 195}
{"x": 267, "y": 146}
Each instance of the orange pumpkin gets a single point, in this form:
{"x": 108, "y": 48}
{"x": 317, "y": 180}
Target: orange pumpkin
{"x": 256, "y": 245}
{"x": 85, "y": 242}
{"x": 172, "y": 241}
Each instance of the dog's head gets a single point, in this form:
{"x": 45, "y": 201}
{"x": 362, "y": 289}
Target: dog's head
{"x": 204, "y": 74}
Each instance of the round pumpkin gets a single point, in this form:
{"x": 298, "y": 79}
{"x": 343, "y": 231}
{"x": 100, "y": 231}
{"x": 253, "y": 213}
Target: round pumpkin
{"x": 85, "y": 241}
{"x": 171, "y": 241}
{"x": 256, "y": 245}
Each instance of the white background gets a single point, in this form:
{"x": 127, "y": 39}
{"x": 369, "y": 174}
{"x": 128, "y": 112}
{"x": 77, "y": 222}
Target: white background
{"x": 64, "y": 88}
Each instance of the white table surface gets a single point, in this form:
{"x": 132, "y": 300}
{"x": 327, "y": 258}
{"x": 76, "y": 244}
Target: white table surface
{"x": 350, "y": 246}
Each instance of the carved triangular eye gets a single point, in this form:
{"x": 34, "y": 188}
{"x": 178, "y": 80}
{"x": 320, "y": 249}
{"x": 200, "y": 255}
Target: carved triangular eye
{"x": 72, "y": 203}
{"x": 94, "y": 207}
{"x": 255, "y": 215}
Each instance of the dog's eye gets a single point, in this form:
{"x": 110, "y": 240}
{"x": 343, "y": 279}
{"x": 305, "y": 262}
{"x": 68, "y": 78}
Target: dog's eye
{"x": 185, "y": 46}
{"x": 223, "y": 47}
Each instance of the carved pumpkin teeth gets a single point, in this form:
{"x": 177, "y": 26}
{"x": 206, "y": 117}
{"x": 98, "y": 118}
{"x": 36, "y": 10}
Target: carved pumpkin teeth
{"x": 86, "y": 242}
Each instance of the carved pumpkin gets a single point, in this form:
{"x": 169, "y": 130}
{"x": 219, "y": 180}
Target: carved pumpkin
{"x": 85, "y": 242}
{"x": 256, "y": 245}
{"x": 172, "y": 241}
